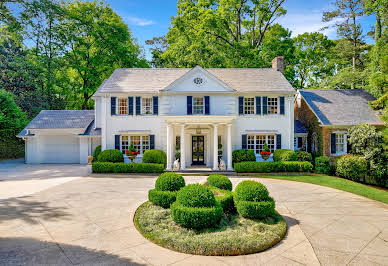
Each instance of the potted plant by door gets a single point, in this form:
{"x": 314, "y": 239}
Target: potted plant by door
{"x": 266, "y": 152}
{"x": 131, "y": 153}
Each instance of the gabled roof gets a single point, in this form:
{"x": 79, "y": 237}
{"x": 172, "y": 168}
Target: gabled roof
{"x": 152, "y": 80}
{"x": 92, "y": 131}
{"x": 341, "y": 107}
{"x": 299, "y": 127}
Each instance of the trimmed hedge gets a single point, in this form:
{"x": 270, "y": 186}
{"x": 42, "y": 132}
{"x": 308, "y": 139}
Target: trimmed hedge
{"x": 225, "y": 199}
{"x": 196, "y": 195}
{"x": 243, "y": 155}
{"x": 304, "y": 156}
{"x": 352, "y": 167}
{"x": 267, "y": 167}
{"x": 220, "y": 181}
{"x": 113, "y": 156}
{"x": 322, "y": 165}
{"x": 162, "y": 198}
{"x": 291, "y": 156}
{"x": 196, "y": 218}
{"x": 256, "y": 210}
{"x": 96, "y": 152}
{"x": 155, "y": 156}
{"x": 108, "y": 167}
{"x": 169, "y": 182}
{"x": 249, "y": 190}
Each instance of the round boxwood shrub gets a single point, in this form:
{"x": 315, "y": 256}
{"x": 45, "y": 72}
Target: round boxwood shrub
{"x": 322, "y": 165}
{"x": 250, "y": 190}
{"x": 352, "y": 167}
{"x": 220, "y": 181}
{"x": 166, "y": 188}
{"x": 196, "y": 195}
{"x": 243, "y": 155}
{"x": 225, "y": 199}
{"x": 304, "y": 156}
{"x": 196, "y": 207}
{"x": 113, "y": 156}
{"x": 252, "y": 200}
{"x": 155, "y": 156}
{"x": 96, "y": 152}
{"x": 169, "y": 182}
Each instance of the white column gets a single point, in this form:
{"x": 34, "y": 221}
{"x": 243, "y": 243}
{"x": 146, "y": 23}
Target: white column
{"x": 229, "y": 152}
{"x": 83, "y": 150}
{"x": 183, "y": 152}
{"x": 104, "y": 115}
{"x": 215, "y": 147}
{"x": 169, "y": 163}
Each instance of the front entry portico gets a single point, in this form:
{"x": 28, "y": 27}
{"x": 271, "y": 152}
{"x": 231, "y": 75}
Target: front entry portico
{"x": 199, "y": 140}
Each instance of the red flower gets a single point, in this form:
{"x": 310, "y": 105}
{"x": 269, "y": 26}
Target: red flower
{"x": 133, "y": 153}
{"x": 268, "y": 153}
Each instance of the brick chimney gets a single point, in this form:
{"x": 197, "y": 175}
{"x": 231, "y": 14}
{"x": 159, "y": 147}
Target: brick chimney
{"x": 278, "y": 64}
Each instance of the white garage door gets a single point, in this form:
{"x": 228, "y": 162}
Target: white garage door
{"x": 59, "y": 149}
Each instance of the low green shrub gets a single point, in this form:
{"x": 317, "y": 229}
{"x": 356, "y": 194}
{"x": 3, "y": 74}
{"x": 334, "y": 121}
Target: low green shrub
{"x": 162, "y": 198}
{"x": 96, "y": 152}
{"x": 169, "y": 182}
{"x": 256, "y": 210}
{"x": 108, "y": 167}
{"x": 268, "y": 167}
{"x": 195, "y": 195}
{"x": 196, "y": 218}
{"x": 352, "y": 167}
{"x": 155, "y": 156}
{"x": 225, "y": 199}
{"x": 284, "y": 155}
{"x": 250, "y": 190}
{"x": 322, "y": 165}
{"x": 220, "y": 181}
{"x": 113, "y": 156}
{"x": 243, "y": 155}
{"x": 304, "y": 156}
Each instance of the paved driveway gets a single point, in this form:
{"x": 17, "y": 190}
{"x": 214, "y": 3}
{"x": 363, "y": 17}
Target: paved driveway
{"x": 19, "y": 179}
{"x": 89, "y": 221}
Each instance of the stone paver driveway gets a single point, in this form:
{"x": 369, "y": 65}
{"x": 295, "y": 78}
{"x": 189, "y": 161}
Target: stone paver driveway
{"x": 89, "y": 221}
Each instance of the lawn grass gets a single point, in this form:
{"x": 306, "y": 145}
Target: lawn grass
{"x": 334, "y": 182}
{"x": 234, "y": 235}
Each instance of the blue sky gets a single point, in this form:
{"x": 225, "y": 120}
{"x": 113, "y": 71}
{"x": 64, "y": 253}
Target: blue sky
{"x": 149, "y": 18}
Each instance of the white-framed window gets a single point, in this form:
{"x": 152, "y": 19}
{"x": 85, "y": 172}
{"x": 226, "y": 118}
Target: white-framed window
{"x": 198, "y": 105}
{"x": 140, "y": 143}
{"x": 249, "y": 105}
{"x": 122, "y": 106}
{"x": 340, "y": 143}
{"x": 272, "y": 105}
{"x": 146, "y": 106}
{"x": 256, "y": 142}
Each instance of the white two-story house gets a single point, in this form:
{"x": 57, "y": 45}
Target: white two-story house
{"x": 200, "y": 113}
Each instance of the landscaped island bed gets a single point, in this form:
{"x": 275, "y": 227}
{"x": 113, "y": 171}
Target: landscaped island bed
{"x": 235, "y": 235}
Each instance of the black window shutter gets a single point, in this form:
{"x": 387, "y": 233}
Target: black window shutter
{"x": 278, "y": 141}
{"x": 258, "y": 105}
{"x": 130, "y": 105}
{"x": 300, "y": 142}
{"x": 243, "y": 141}
{"x": 117, "y": 142}
{"x": 152, "y": 142}
{"x": 207, "y": 105}
{"x": 155, "y": 104}
{"x": 265, "y": 98}
{"x": 240, "y": 105}
{"x": 348, "y": 146}
{"x": 332, "y": 143}
{"x": 112, "y": 105}
{"x": 138, "y": 105}
{"x": 189, "y": 105}
{"x": 282, "y": 105}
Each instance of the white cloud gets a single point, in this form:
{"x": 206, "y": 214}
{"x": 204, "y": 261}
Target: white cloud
{"x": 139, "y": 21}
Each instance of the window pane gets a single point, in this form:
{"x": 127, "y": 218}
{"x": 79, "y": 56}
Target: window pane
{"x": 123, "y": 106}
{"x": 124, "y": 144}
{"x": 249, "y": 106}
{"x": 198, "y": 105}
{"x": 272, "y": 104}
{"x": 145, "y": 143}
{"x": 146, "y": 106}
{"x": 135, "y": 140}
{"x": 260, "y": 140}
{"x": 271, "y": 142}
{"x": 340, "y": 142}
{"x": 251, "y": 142}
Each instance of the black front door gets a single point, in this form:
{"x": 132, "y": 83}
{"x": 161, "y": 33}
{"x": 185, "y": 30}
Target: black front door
{"x": 198, "y": 150}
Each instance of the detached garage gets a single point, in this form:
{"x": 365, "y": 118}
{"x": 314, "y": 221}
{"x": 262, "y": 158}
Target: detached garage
{"x": 60, "y": 136}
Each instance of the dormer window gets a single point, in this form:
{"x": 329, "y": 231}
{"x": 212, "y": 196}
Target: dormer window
{"x": 146, "y": 103}
{"x": 123, "y": 106}
{"x": 198, "y": 106}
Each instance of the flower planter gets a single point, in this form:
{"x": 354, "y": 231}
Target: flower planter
{"x": 265, "y": 155}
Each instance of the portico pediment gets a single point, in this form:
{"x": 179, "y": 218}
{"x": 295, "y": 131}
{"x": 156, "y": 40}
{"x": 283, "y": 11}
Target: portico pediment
{"x": 198, "y": 80}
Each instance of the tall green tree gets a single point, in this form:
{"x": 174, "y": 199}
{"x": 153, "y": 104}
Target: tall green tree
{"x": 98, "y": 42}
{"x": 158, "y": 46}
